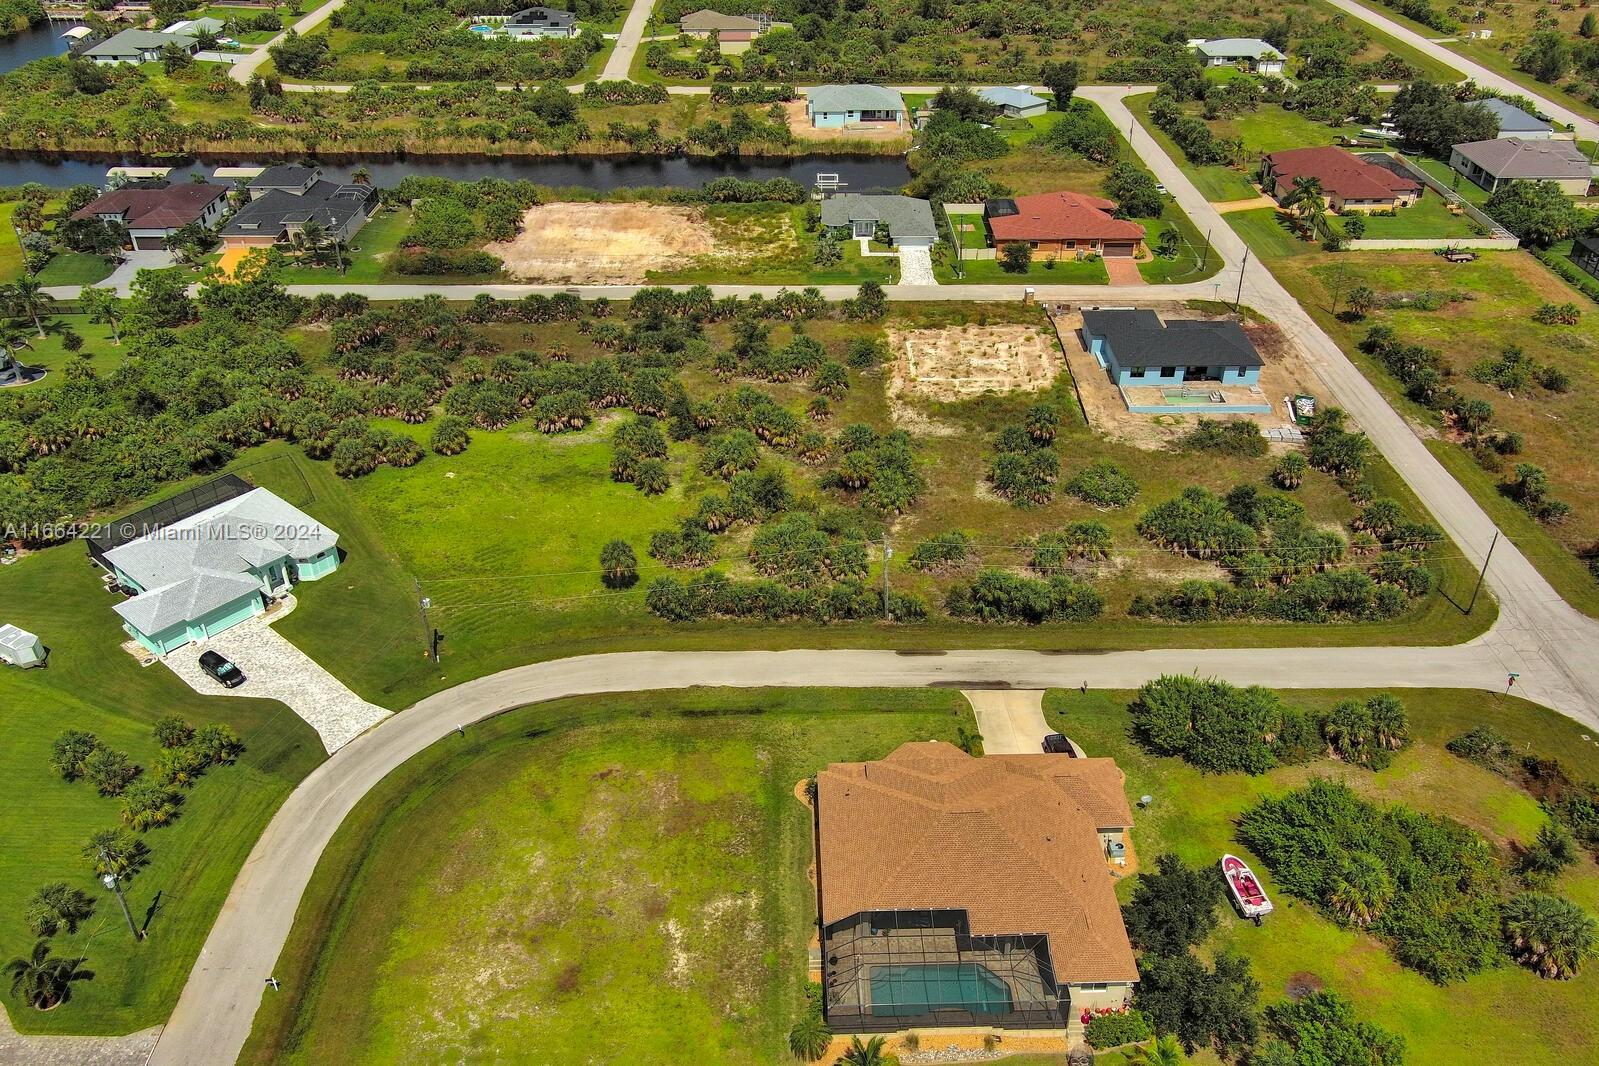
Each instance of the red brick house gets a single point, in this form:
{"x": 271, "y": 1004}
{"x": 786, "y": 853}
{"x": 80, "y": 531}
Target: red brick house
{"x": 1062, "y": 225}
{"x": 1349, "y": 182}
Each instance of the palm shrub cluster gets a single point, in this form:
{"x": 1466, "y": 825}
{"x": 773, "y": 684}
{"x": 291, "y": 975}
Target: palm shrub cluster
{"x": 1001, "y": 596}
{"x": 1282, "y": 565}
{"x": 1103, "y": 484}
{"x": 1222, "y": 728}
{"x": 1026, "y": 466}
{"x": 1572, "y": 804}
{"x": 1076, "y": 545}
{"x": 1425, "y": 884}
{"x": 1323, "y": 1028}
{"x": 639, "y": 456}
{"x": 810, "y": 1036}
{"x": 941, "y": 553}
{"x": 1225, "y": 438}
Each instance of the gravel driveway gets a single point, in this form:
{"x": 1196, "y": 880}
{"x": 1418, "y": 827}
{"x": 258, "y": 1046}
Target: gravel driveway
{"x": 916, "y": 266}
{"x": 275, "y": 669}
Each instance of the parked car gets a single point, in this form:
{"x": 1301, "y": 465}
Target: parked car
{"x": 1160, "y": 187}
{"x": 222, "y": 669}
{"x": 1057, "y": 744}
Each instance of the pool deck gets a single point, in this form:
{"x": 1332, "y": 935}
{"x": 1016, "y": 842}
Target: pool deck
{"x": 1201, "y": 399}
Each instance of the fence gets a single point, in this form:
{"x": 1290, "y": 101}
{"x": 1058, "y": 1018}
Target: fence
{"x": 1500, "y": 239}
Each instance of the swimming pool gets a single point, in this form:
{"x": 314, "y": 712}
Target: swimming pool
{"x": 918, "y": 989}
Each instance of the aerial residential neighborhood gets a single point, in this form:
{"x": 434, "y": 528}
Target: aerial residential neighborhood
{"x": 866, "y": 534}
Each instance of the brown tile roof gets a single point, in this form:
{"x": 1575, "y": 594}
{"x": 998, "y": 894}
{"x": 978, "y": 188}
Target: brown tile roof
{"x": 170, "y": 208}
{"x": 1009, "y": 839}
{"x": 1063, "y": 216}
{"x": 1343, "y": 175}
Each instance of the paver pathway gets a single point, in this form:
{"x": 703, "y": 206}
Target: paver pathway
{"x": 1123, "y": 271}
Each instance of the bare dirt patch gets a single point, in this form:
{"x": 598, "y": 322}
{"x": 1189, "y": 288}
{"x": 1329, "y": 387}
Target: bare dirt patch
{"x": 959, "y": 362}
{"x": 1285, "y": 373}
{"x": 604, "y": 244}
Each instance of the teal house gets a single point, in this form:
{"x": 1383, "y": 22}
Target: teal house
{"x": 1135, "y": 347}
{"x": 862, "y": 107}
{"x": 197, "y": 576}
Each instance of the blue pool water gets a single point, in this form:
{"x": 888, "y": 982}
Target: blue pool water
{"x": 917, "y": 989}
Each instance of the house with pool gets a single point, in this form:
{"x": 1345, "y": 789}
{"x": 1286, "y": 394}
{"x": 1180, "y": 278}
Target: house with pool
{"x": 206, "y": 560}
{"x": 960, "y": 892}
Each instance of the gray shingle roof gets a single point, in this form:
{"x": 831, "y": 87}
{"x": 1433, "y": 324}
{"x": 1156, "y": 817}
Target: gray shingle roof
{"x": 1513, "y": 119}
{"x": 1235, "y": 47}
{"x": 203, "y": 562}
{"x": 136, "y": 42}
{"x": 1512, "y": 157}
{"x": 906, "y": 216}
{"x": 1139, "y": 338}
{"x": 325, "y": 203}
{"x": 853, "y": 98}
{"x": 283, "y": 176}
{"x": 553, "y": 18}
{"x": 1005, "y": 96}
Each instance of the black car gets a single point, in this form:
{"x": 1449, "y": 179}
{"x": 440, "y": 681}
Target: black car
{"x": 221, "y": 668}
{"x": 1057, "y": 744}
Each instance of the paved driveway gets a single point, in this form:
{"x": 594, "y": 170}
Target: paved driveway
{"x": 916, "y": 266}
{"x": 275, "y": 669}
{"x": 121, "y": 279}
{"x": 1011, "y": 720}
{"x": 1123, "y": 270}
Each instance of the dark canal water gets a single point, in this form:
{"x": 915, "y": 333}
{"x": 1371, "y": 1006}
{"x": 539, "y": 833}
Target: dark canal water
{"x": 860, "y": 173}
{"x": 35, "y": 43}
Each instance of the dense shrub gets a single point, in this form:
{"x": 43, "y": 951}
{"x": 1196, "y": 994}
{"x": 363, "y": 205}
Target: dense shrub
{"x": 1203, "y": 1006}
{"x": 1322, "y": 1030}
{"x": 1103, "y": 484}
{"x": 941, "y": 552}
{"x": 430, "y": 262}
{"x": 1426, "y": 884}
{"x": 1000, "y": 596}
{"x": 1117, "y": 1028}
{"x": 1225, "y": 438}
{"x": 1211, "y": 724}
{"x": 1173, "y": 908}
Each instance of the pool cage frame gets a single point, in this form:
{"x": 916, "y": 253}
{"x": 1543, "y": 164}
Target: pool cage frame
{"x": 852, "y": 947}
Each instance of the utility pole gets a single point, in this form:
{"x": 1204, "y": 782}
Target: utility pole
{"x": 1204, "y": 259}
{"x": 888, "y": 553}
{"x": 1484, "y": 572}
{"x": 422, "y": 604}
{"x": 1238, "y": 301}
{"x": 109, "y": 879}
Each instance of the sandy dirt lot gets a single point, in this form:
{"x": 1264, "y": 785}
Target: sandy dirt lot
{"x": 604, "y": 244}
{"x": 962, "y": 361}
{"x": 1284, "y": 374}
{"x": 799, "y": 123}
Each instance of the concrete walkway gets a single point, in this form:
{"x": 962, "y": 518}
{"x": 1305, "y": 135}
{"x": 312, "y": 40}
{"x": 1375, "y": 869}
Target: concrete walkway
{"x": 1586, "y": 128}
{"x": 18, "y": 1050}
{"x": 1011, "y": 720}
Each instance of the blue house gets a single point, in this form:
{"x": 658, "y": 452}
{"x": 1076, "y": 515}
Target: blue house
{"x": 201, "y": 571}
{"x": 854, "y": 106}
{"x": 1136, "y": 348}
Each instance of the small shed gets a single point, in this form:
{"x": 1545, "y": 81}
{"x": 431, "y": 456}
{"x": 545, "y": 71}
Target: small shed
{"x": 20, "y": 648}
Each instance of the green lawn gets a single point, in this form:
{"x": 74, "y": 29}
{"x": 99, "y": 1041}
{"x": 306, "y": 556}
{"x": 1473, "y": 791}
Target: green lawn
{"x": 1217, "y": 184}
{"x": 1428, "y": 217}
{"x": 1270, "y": 128}
{"x": 10, "y": 250}
{"x": 1041, "y": 272}
{"x": 1523, "y": 1018}
{"x": 1194, "y": 261}
{"x": 92, "y": 684}
{"x": 368, "y": 252}
{"x": 1266, "y": 231}
{"x": 615, "y": 877}
{"x": 1467, "y": 189}
{"x": 76, "y": 268}
{"x": 50, "y": 353}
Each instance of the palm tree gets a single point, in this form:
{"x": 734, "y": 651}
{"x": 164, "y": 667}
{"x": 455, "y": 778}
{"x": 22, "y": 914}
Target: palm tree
{"x": 1549, "y": 934}
{"x": 102, "y": 305}
{"x": 870, "y": 1053}
{"x": 27, "y": 298}
{"x": 45, "y": 980}
{"x": 1389, "y": 724}
{"x": 312, "y": 237}
{"x": 1165, "y": 1051}
{"x": 1362, "y": 888}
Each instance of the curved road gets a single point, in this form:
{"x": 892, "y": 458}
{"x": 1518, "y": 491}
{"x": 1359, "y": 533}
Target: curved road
{"x": 1554, "y": 649}
{"x": 1586, "y": 128}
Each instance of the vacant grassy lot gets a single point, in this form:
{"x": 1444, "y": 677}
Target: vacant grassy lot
{"x": 504, "y": 538}
{"x": 620, "y": 878}
{"x": 770, "y": 244}
{"x": 1523, "y": 1018}
{"x": 91, "y": 684}
{"x": 1506, "y": 288}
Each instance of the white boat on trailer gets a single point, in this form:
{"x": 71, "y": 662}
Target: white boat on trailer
{"x": 1244, "y": 886}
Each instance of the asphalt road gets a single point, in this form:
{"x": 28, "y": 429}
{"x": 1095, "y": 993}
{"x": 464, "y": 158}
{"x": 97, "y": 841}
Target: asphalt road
{"x": 1586, "y": 128}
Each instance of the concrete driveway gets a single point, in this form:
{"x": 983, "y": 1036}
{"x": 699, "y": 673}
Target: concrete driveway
{"x": 1011, "y": 720}
{"x": 121, "y": 279}
{"x": 274, "y": 669}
